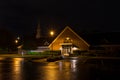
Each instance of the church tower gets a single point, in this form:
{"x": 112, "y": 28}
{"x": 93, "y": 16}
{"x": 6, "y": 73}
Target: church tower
{"x": 38, "y": 32}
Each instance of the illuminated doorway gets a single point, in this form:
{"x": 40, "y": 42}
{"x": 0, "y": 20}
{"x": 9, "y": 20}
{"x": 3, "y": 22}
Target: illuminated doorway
{"x": 66, "y": 47}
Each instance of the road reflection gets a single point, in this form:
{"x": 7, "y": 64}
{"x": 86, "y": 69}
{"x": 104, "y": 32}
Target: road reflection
{"x": 61, "y": 70}
{"x": 17, "y": 68}
{"x": 24, "y": 69}
{"x": 21, "y": 69}
{"x": 10, "y": 68}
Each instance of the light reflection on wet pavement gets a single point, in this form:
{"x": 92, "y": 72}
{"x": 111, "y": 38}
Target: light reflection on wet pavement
{"x": 21, "y": 69}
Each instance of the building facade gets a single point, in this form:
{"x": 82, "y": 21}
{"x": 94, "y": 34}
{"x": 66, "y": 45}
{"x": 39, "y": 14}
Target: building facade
{"x": 68, "y": 41}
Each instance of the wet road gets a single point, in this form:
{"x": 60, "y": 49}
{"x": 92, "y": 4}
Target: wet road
{"x": 23, "y": 69}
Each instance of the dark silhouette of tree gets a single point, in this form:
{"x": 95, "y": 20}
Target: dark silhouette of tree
{"x": 29, "y": 43}
{"x": 6, "y": 39}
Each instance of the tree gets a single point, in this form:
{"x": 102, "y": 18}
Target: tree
{"x": 29, "y": 43}
{"x": 6, "y": 39}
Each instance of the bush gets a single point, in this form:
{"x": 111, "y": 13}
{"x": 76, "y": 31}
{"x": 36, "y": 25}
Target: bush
{"x": 33, "y": 53}
{"x": 52, "y": 52}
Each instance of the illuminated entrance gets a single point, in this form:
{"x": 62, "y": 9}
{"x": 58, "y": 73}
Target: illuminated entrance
{"x": 66, "y": 49}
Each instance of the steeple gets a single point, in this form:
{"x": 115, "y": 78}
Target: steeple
{"x": 38, "y": 35}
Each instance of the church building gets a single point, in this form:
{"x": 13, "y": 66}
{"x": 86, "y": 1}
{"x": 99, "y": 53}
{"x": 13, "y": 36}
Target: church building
{"x": 68, "y": 41}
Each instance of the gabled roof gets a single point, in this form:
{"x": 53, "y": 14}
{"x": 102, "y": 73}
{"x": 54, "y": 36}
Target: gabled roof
{"x": 65, "y": 29}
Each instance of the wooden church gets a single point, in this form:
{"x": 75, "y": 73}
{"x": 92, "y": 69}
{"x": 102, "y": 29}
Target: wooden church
{"x": 68, "y": 41}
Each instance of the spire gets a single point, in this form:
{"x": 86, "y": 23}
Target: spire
{"x": 38, "y": 35}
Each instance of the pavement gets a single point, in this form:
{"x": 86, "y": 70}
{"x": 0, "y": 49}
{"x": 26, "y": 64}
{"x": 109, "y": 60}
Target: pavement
{"x": 19, "y": 56}
{"x": 39, "y": 56}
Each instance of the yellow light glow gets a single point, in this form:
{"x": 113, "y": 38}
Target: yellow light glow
{"x": 17, "y": 68}
{"x": 75, "y": 48}
{"x": 67, "y": 38}
{"x": 16, "y": 41}
{"x": 51, "y": 33}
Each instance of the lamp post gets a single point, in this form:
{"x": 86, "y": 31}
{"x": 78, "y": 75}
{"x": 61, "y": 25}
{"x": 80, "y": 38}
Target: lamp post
{"x": 17, "y": 42}
{"x": 52, "y": 34}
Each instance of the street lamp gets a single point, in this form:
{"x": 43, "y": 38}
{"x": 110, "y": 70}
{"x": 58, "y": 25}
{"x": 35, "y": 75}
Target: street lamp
{"x": 16, "y": 41}
{"x": 52, "y": 34}
{"x": 19, "y": 47}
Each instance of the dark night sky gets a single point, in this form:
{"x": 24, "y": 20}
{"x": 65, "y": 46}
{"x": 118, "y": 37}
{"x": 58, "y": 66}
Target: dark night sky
{"x": 22, "y": 16}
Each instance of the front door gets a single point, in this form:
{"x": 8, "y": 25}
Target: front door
{"x": 66, "y": 49}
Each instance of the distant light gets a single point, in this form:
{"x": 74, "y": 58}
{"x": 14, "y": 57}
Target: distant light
{"x": 18, "y": 38}
{"x": 16, "y": 41}
{"x": 51, "y": 33}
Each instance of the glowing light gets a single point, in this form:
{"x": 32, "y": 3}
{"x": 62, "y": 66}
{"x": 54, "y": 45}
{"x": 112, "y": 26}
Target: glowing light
{"x": 67, "y": 38}
{"x": 73, "y": 65}
{"x": 60, "y": 48}
{"x": 51, "y": 33}
{"x": 16, "y": 41}
{"x": 75, "y": 48}
{"x": 66, "y": 54}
